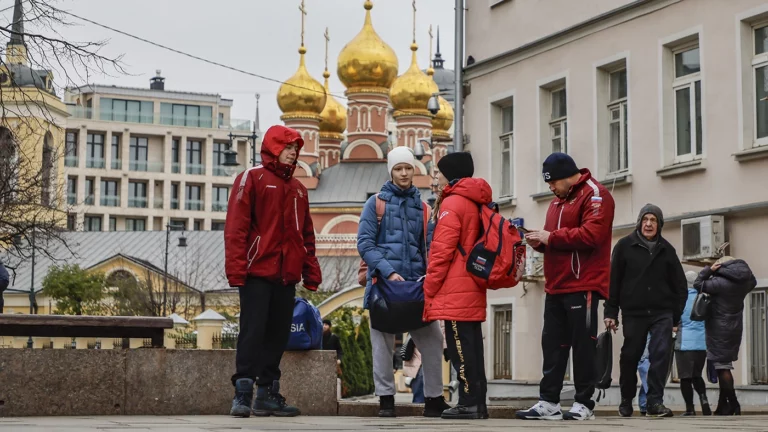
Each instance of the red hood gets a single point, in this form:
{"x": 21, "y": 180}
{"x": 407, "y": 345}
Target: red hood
{"x": 475, "y": 189}
{"x": 585, "y": 175}
{"x": 274, "y": 142}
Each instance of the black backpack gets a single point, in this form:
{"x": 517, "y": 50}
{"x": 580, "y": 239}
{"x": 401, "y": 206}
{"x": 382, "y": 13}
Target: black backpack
{"x": 603, "y": 362}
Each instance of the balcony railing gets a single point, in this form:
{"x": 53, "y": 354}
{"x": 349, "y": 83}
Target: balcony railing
{"x": 123, "y": 116}
{"x": 89, "y": 200}
{"x": 70, "y": 161}
{"x": 106, "y": 114}
{"x": 144, "y": 166}
{"x": 175, "y": 167}
{"x": 71, "y": 198}
{"x": 137, "y": 202}
{"x": 110, "y": 201}
{"x": 238, "y": 124}
{"x": 196, "y": 169}
{"x": 219, "y": 206}
{"x": 194, "y": 205}
{"x": 94, "y": 163}
{"x": 221, "y": 171}
{"x": 158, "y": 202}
{"x": 174, "y": 203}
{"x": 116, "y": 164}
{"x": 81, "y": 112}
{"x": 186, "y": 121}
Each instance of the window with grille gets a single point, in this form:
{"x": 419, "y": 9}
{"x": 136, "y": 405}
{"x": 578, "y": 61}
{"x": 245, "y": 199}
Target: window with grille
{"x": 502, "y": 342}
{"x": 758, "y": 336}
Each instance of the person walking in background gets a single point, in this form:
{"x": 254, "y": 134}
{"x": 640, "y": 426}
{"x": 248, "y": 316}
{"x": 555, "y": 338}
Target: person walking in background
{"x": 728, "y": 282}
{"x": 393, "y": 245}
{"x": 642, "y": 370}
{"x": 691, "y": 355}
{"x": 412, "y": 369}
{"x": 5, "y": 280}
{"x": 269, "y": 245}
{"x": 331, "y": 342}
{"x": 450, "y": 293}
{"x": 576, "y": 242}
{"x": 648, "y": 285}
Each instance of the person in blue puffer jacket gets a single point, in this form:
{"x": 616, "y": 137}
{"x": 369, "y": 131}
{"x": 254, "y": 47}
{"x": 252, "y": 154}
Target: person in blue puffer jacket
{"x": 691, "y": 354}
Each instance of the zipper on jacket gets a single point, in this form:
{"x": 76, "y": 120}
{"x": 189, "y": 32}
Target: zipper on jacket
{"x": 560, "y": 218}
{"x": 250, "y": 258}
{"x": 296, "y": 212}
{"x": 577, "y": 270}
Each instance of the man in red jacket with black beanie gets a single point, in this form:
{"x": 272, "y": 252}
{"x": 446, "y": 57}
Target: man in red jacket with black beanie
{"x": 576, "y": 242}
{"x": 269, "y": 245}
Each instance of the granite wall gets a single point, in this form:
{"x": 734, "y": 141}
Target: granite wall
{"x": 64, "y": 382}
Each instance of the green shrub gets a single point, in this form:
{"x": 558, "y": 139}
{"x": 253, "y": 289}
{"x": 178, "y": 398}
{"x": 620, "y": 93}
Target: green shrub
{"x": 357, "y": 365}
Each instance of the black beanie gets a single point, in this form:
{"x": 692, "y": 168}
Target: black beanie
{"x": 456, "y": 166}
{"x": 558, "y": 166}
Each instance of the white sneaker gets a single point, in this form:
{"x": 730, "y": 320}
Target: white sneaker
{"x": 579, "y": 412}
{"x": 541, "y": 411}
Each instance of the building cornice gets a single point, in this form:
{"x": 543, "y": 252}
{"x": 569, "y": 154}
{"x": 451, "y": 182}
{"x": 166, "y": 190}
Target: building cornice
{"x": 595, "y": 24}
{"x": 326, "y": 210}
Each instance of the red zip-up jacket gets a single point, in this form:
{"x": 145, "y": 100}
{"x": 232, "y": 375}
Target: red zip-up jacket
{"x": 578, "y": 255}
{"x": 268, "y": 232}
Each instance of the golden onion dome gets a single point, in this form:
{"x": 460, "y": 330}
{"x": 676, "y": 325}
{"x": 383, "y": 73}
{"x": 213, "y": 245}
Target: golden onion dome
{"x": 333, "y": 119}
{"x": 442, "y": 122}
{"x": 301, "y": 96}
{"x": 367, "y": 63}
{"x": 411, "y": 91}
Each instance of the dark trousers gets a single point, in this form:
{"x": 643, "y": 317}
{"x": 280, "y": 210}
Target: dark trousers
{"x": 266, "y": 313}
{"x": 636, "y": 331}
{"x": 570, "y": 320}
{"x": 464, "y": 341}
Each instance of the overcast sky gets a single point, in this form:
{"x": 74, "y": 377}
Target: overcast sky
{"x": 259, "y": 36}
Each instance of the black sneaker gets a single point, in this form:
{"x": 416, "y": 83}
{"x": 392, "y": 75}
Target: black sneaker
{"x": 386, "y": 406}
{"x": 625, "y": 408}
{"x": 460, "y": 412}
{"x": 434, "y": 407}
{"x": 659, "y": 410}
{"x": 241, "y": 404}
{"x": 269, "y": 402}
{"x": 689, "y": 411}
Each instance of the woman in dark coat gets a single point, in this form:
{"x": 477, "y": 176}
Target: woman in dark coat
{"x": 728, "y": 282}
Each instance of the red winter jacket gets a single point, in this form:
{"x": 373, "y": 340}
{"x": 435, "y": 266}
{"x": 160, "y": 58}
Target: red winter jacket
{"x": 578, "y": 256}
{"x": 449, "y": 292}
{"x": 269, "y": 233}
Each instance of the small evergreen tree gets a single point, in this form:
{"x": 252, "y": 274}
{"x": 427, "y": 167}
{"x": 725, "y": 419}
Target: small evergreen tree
{"x": 75, "y": 290}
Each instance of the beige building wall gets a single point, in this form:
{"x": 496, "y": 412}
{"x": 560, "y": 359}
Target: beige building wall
{"x": 726, "y": 178}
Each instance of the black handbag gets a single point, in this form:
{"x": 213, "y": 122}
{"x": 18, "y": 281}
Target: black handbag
{"x": 702, "y": 306}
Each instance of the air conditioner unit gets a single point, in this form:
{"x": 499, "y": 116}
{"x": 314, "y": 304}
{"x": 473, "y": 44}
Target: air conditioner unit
{"x": 702, "y": 237}
{"x": 534, "y": 263}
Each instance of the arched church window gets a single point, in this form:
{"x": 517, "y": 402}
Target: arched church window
{"x": 122, "y": 279}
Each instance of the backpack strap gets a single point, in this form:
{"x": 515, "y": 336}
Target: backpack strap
{"x": 381, "y": 208}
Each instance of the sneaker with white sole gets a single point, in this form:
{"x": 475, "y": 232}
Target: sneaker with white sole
{"x": 541, "y": 411}
{"x": 579, "y": 412}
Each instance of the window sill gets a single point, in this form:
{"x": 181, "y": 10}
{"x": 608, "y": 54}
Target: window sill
{"x": 682, "y": 168}
{"x": 754, "y": 153}
{"x": 543, "y": 196}
{"x": 495, "y": 3}
{"x": 506, "y": 202}
{"x": 619, "y": 180}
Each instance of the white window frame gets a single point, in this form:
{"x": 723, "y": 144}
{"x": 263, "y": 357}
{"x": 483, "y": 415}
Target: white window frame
{"x": 688, "y": 81}
{"x": 509, "y": 138}
{"x": 561, "y": 122}
{"x": 758, "y": 61}
{"x": 621, "y": 105}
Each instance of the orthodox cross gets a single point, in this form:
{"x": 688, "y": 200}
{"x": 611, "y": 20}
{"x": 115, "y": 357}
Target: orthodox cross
{"x": 303, "y": 10}
{"x": 414, "y": 21}
{"x": 430, "y": 41}
{"x": 327, "y": 41}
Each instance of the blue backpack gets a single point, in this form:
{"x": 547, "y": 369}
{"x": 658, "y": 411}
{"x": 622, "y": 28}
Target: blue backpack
{"x": 306, "y": 327}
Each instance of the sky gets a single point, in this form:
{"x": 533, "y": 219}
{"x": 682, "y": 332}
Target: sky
{"x": 258, "y": 36}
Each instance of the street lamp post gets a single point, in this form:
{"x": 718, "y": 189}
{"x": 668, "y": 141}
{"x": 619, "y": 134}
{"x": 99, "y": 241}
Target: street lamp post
{"x": 182, "y": 243}
{"x": 255, "y": 157}
{"x": 458, "y": 118}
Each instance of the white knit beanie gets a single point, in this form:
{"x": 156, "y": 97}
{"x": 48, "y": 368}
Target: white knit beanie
{"x": 399, "y": 155}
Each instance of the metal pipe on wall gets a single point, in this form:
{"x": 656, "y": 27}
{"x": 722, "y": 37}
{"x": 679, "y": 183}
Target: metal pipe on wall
{"x": 458, "y": 128}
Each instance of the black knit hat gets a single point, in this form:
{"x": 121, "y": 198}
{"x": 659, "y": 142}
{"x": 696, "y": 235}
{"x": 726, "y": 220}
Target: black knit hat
{"x": 558, "y": 166}
{"x": 456, "y": 166}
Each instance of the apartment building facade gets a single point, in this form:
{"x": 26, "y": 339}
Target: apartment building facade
{"x": 140, "y": 159}
{"x": 663, "y": 100}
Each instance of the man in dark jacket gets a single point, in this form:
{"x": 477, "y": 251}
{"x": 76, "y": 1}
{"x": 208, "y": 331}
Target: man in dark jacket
{"x": 576, "y": 242}
{"x": 269, "y": 246}
{"x": 648, "y": 284}
{"x": 331, "y": 342}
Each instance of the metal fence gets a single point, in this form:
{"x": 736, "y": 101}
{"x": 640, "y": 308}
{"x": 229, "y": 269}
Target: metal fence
{"x": 225, "y": 341}
{"x": 502, "y": 342}
{"x": 758, "y": 302}
{"x": 185, "y": 340}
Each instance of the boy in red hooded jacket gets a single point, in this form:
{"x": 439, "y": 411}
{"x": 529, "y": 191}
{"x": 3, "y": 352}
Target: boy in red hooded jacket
{"x": 269, "y": 245}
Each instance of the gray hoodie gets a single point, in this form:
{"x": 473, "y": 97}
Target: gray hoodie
{"x": 656, "y": 211}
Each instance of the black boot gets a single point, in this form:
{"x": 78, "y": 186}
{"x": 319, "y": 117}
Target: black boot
{"x": 690, "y": 410}
{"x": 241, "y": 404}
{"x": 625, "y": 408}
{"x": 387, "y": 406}
{"x": 722, "y": 404}
{"x": 269, "y": 402}
{"x": 484, "y": 410}
{"x": 705, "y": 409}
{"x": 735, "y": 405}
{"x": 434, "y": 407}
{"x": 658, "y": 410}
{"x": 460, "y": 412}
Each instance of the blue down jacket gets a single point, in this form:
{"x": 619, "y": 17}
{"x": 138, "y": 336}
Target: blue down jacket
{"x": 397, "y": 246}
{"x": 692, "y": 332}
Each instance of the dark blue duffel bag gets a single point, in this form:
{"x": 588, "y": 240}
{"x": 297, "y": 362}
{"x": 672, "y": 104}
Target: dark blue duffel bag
{"x": 397, "y": 306}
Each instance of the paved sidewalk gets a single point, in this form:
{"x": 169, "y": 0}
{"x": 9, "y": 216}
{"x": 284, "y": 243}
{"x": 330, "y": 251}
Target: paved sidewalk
{"x": 317, "y": 424}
